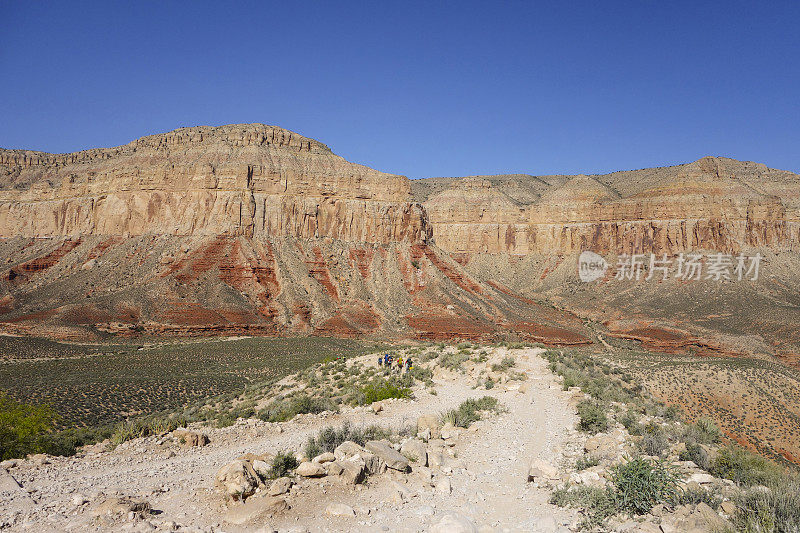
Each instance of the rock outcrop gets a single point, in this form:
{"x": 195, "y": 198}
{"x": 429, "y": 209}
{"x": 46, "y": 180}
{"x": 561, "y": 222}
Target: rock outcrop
{"x": 713, "y": 203}
{"x": 247, "y": 180}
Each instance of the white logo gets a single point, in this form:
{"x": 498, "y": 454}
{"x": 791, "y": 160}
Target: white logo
{"x": 591, "y": 266}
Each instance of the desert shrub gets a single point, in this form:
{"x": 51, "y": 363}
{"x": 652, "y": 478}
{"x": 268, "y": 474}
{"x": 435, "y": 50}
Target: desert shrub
{"x": 699, "y": 495}
{"x": 585, "y": 462}
{"x": 330, "y": 437}
{"x": 640, "y": 484}
{"x": 145, "y": 427}
{"x": 282, "y": 464}
{"x": 696, "y": 454}
{"x": 481, "y": 357}
{"x": 421, "y": 373}
{"x": 504, "y": 365}
{"x": 489, "y": 383}
{"x": 654, "y": 440}
{"x": 452, "y": 360}
{"x": 776, "y": 510}
{"x": 593, "y": 417}
{"x": 470, "y": 411}
{"x": 24, "y": 428}
{"x": 283, "y": 410}
{"x": 705, "y": 431}
{"x": 599, "y": 503}
{"x": 375, "y": 392}
{"x": 746, "y": 468}
{"x": 631, "y": 422}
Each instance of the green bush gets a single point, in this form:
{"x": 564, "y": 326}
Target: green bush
{"x": 453, "y": 361}
{"x": 654, "y": 440}
{"x": 504, "y": 365}
{"x": 585, "y": 462}
{"x": 600, "y": 503}
{"x": 330, "y": 437}
{"x": 145, "y": 427}
{"x": 375, "y": 392}
{"x": 776, "y": 510}
{"x": 24, "y": 429}
{"x": 470, "y": 411}
{"x": 283, "y": 410}
{"x": 698, "y": 495}
{"x": 640, "y": 484}
{"x": 593, "y": 417}
{"x": 631, "y": 422}
{"x": 696, "y": 454}
{"x": 746, "y": 468}
{"x": 282, "y": 465}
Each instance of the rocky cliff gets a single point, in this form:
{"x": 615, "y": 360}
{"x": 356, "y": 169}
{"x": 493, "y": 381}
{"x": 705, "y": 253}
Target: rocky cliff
{"x": 239, "y": 180}
{"x": 713, "y": 203}
{"x": 234, "y": 229}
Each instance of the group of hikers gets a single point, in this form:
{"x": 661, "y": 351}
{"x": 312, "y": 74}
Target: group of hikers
{"x": 388, "y": 361}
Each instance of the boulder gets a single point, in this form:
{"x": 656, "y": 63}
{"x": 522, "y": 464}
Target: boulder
{"x": 377, "y": 407}
{"x": 255, "y": 510}
{"x": 333, "y": 468}
{"x": 353, "y": 471}
{"x": 453, "y": 522}
{"x": 414, "y": 450}
{"x": 701, "y": 478}
{"x": 326, "y": 457}
{"x": 189, "y": 438}
{"x": 428, "y": 427}
{"x": 237, "y": 479}
{"x": 540, "y": 470}
{"x": 280, "y": 486}
{"x": 262, "y": 468}
{"x": 389, "y": 455}
{"x": 116, "y": 508}
{"x": 346, "y": 450}
{"x": 309, "y": 469}
{"x": 339, "y": 510}
{"x": 435, "y": 457}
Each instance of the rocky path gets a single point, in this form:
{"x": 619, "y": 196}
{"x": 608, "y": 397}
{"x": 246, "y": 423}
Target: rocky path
{"x": 482, "y": 485}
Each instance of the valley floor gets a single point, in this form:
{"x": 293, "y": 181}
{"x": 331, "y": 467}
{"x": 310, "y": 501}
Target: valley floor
{"x": 486, "y": 471}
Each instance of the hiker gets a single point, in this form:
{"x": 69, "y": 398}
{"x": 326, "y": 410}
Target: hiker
{"x": 408, "y": 365}
{"x": 380, "y": 360}
{"x": 400, "y": 363}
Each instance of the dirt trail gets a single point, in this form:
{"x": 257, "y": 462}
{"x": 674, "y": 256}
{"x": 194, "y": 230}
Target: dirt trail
{"x": 487, "y": 473}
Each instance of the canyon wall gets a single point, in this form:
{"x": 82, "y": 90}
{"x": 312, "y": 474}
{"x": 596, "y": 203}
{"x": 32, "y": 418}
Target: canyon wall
{"x": 713, "y": 203}
{"x": 240, "y": 180}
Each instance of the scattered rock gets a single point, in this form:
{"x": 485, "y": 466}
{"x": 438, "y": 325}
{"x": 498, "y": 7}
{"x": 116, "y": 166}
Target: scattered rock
{"x": 326, "y": 457}
{"x": 454, "y": 523}
{"x": 339, "y": 509}
{"x": 389, "y": 455}
{"x": 237, "y": 479}
{"x": 377, "y": 407}
{"x": 540, "y": 470}
{"x": 414, "y": 450}
{"x": 353, "y": 471}
{"x": 428, "y": 427}
{"x": 255, "y": 510}
{"x": 280, "y": 486}
{"x": 309, "y": 469}
{"x": 190, "y": 438}
{"x": 346, "y": 450}
{"x": 729, "y": 508}
{"x": 261, "y": 468}
{"x": 443, "y": 486}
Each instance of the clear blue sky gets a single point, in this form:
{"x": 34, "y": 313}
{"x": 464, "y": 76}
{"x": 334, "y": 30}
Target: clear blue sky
{"x": 416, "y": 88}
